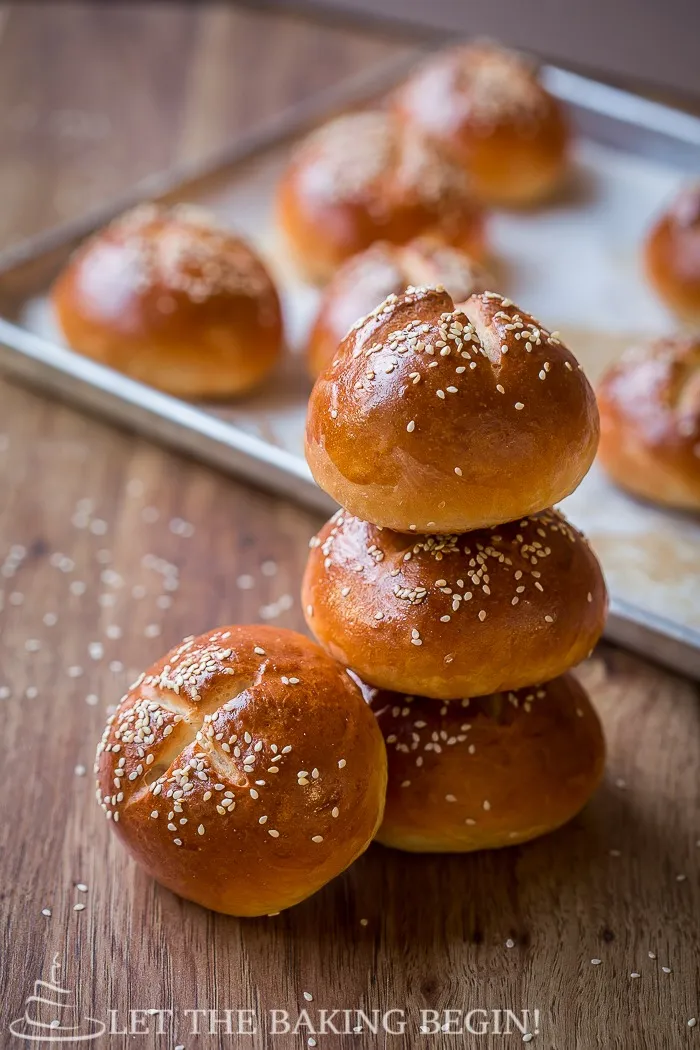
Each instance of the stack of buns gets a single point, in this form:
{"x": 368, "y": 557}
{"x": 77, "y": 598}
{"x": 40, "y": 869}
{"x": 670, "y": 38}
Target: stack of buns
{"x": 447, "y": 583}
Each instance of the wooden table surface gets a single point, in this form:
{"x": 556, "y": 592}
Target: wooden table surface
{"x": 114, "y": 549}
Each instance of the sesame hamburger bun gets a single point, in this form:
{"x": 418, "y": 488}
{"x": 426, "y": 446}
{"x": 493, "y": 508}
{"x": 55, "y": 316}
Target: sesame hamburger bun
{"x": 672, "y": 255}
{"x": 436, "y": 419}
{"x": 650, "y": 421}
{"x": 454, "y": 615}
{"x": 365, "y": 280}
{"x": 166, "y": 297}
{"x": 365, "y": 177}
{"x": 488, "y": 109}
{"x": 243, "y": 770}
{"x": 487, "y": 772}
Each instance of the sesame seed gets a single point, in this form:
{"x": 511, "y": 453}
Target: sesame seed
{"x": 308, "y": 996}
{"x": 273, "y": 833}
{"x": 317, "y": 838}
{"x": 596, "y": 962}
{"x": 519, "y": 405}
{"x": 458, "y": 472}
{"x": 46, "y": 912}
{"x": 342, "y": 763}
{"x": 411, "y": 426}
{"x": 78, "y": 907}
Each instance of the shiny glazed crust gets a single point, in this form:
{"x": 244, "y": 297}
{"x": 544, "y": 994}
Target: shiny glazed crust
{"x": 487, "y": 772}
{"x": 364, "y": 281}
{"x": 171, "y": 300}
{"x": 455, "y": 615}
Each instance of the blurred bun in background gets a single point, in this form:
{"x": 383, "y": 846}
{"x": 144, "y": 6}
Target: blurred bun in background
{"x": 672, "y": 255}
{"x": 489, "y": 109}
{"x": 366, "y": 177}
{"x": 172, "y": 300}
{"x": 650, "y": 421}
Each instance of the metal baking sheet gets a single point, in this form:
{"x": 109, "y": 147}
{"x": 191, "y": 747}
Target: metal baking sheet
{"x": 576, "y": 264}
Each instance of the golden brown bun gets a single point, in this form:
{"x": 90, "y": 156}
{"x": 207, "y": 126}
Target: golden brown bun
{"x": 455, "y": 615}
{"x": 243, "y": 770}
{"x": 364, "y": 281}
{"x": 487, "y": 772}
{"x": 430, "y": 420}
{"x": 672, "y": 255}
{"x": 650, "y": 421}
{"x": 488, "y": 108}
{"x": 174, "y": 302}
{"x": 364, "y": 177}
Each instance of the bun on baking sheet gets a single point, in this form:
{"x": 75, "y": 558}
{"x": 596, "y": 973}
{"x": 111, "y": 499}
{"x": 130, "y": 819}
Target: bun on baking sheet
{"x": 365, "y": 280}
{"x": 650, "y": 421}
{"x": 449, "y": 616}
{"x": 366, "y": 177}
{"x": 488, "y": 108}
{"x": 436, "y": 419}
{"x": 672, "y": 255}
{"x": 172, "y": 300}
{"x": 492, "y": 771}
{"x": 243, "y": 770}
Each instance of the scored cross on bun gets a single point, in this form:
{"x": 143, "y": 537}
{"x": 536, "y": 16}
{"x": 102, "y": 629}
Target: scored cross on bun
{"x": 243, "y": 770}
{"x": 364, "y": 281}
{"x": 436, "y": 419}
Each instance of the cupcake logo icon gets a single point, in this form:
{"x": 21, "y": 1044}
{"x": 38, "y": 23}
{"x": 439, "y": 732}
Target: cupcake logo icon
{"x": 50, "y": 1015}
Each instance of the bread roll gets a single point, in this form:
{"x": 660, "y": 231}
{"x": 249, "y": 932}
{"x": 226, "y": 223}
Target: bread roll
{"x": 164, "y": 296}
{"x": 650, "y": 421}
{"x": 488, "y": 772}
{"x": 489, "y": 109}
{"x": 243, "y": 770}
{"x": 364, "y": 177}
{"x": 672, "y": 255}
{"x": 432, "y": 419}
{"x": 364, "y": 281}
{"x": 454, "y": 615}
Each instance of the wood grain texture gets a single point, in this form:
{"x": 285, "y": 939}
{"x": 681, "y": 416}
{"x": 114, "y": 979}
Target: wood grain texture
{"x": 165, "y": 547}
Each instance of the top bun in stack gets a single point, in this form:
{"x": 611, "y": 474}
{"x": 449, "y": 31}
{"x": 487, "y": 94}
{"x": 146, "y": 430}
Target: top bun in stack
{"x": 436, "y": 419}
